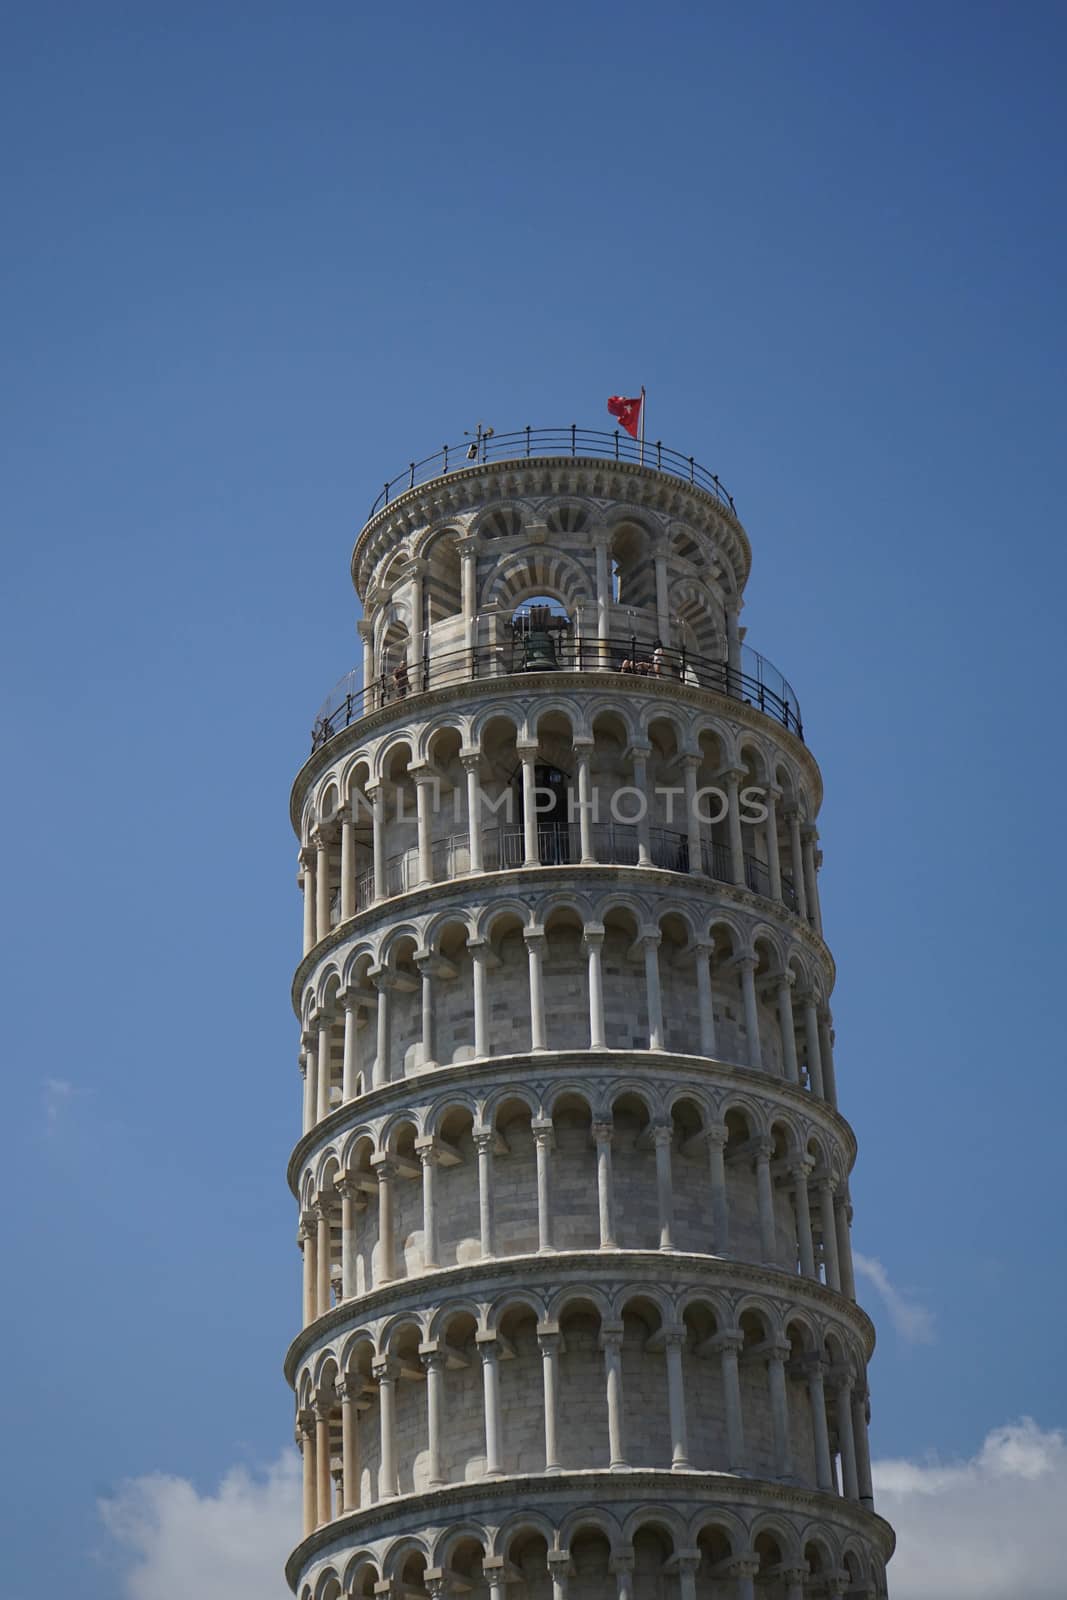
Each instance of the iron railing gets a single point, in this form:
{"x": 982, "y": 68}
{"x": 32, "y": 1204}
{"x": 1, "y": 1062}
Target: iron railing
{"x": 568, "y": 441}
{"x": 756, "y": 681}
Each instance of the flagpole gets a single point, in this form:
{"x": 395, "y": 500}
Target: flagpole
{"x": 642, "y": 424}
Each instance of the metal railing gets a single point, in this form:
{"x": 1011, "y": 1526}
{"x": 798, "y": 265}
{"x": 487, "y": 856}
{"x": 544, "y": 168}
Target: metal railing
{"x": 567, "y": 441}
{"x": 756, "y": 681}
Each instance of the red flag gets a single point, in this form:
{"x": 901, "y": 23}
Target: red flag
{"x": 627, "y": 411}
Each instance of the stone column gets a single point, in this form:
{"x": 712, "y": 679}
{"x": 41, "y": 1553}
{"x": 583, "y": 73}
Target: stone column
{"x": 765, "y": 1195}
{"x": 323, "y": 1498}
{"x": 348, "y": 863}
{"x": 306, "y": 1440}
{"x": 745, "y": 1572}
{"x": 307, "y": 881}
{"x": 733, "y": 653}
{"x": 582, "y": 752}
{"x": 433, "y": 1364}
{"x": 863, "y": 1449}
{"x": 309, "y": 1056}
{"x": 350, "y": 1000}
{"x": 673, "y": 1342}
{"x": 349, "y": 1390}
{"x": 829, "y": 1232}
{"x": 796, "y": 862}
{"x": 770, "y": 834}
{"x": 528, "y": 756}
{"x": 733, "y": 823}
{"x": 490, "y": 1354}
{"x": 322, "y": 1259}
{"x": 784, "y": 985}
{"x": 593, "y": 944}
{"x": 687, "y": 1562}
{"x": 622, "y": 1566}
{"x": 826, "y": 1041}
{"x": 484, "y": 1139}
{"x": 429, "y": 1156}
{"x": 638, "y": 754}
{"x": 777, "y": 1355}
{"x": 322, "y": 883}
{"x": 824, "y": 1472}
{"x": 843, "y": 1397}
{"x": 811, "y": 882}
{"x": 649, "y": 939}
{"x": 800, "y": 1171}
{"x": 306, "y": 1237}
{"x": 386, "y": 1372}
{"x": 603, "y": 589}
{"x": 661, "y": 1138}
{"x": 386, "y": 1263}
{"x": 663, "y": 606}
{"x": 535, "y": 950}
{"x": 746, "y": 965}
{"x": 351, "y": 1203}
{"x": 425, "y": 785}
{"x": 811, "y": 1046}
{"x": 365, "y": 630}
{"x": 324, "y": 1022}
{"x": 703, "y": 953}
{"x": 548, "y": 1340}
{"x": 376, "y": 795}
{"x": 425, "y": 964}
{"x": 559, "y": 1565}
{"x": 794, "y": 1579}
{"x": 842, "y": 1219}
{"x": 479, "y": 953}
{"x": 720, "y": 1211}
{"x": 543, "y": 1133}
{"x": 611, "y": 1344}
{"x": 602, "y": 1134}
{"x": 727, "y": 1345}
{"x": 472, "y": 762}
{"x": 382, "y": 979}
{"x": 690, "y": 763}
{"x": 468, "y": 569}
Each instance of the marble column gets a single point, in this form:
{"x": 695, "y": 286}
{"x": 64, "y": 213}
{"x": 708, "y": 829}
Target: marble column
{"x": 690, "y": 763}
{"x": 733, "y": 823}
{"x": 535, "y": 952}
{"x": 549, "y": 1341}
{"x": 650, "y": 941}
{"x": 480, "y": 954}
{"x": 784, "y": 984}
{"x": 765, "y": 1195}
{"x": 472, "y": 763}
{"x": 490, "y": 1354}
{"x": 324, "y": 1023}
{"x": 386, "y": 1173}
{"x": 322, "y": 883}
{"x": 673, "y": 1343}
{"x": 800, "y": 1171}
{"x": 829, "y": 1232}
{"x": 777, "y": 1355}
{"x": 528, "y": 756}
{"x": 593, "y": 945}
{"x": 352, "y": 1202}
{"x": 583, "y": 749}
{"x": 611, "y": 1345}
{"x": 824, "y": 1472}
{"x": 348, "y": 863}
{"x": 306, "y": 1438}
{"x": 639, "y": 758}
{"x": 426, "y": 794}
{"x": 843, "y": 1398}
{"x": 484, "y": 1140}
{"x": 661, "y": 1139}
{"x": 720, "y": 1211}
{"x": 728, "y": 1345}
{"x": 602, "y": 1135}
{"x": 433, "y": 1364}
{"x": 429, "y": 1156}
{"x": 770, "y": 834}
{"x": 705, "y": 1000}
{"x": 746, "y": 965}
{"x": 323, "y": 1497}
{"x": 544, "y": 1140}
{"x": 349, "y": 1391}
{"x": 386, "y": 1372}
{"x": 812, "y": 1048}
{"x": 307, "y": 881}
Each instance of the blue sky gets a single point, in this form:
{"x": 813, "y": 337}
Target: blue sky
{"x": 255, "y": 258}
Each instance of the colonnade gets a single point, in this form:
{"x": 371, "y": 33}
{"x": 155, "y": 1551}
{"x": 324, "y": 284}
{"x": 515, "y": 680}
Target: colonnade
{"x": 835, "y": 1400}
{"x": 319, "y": 867}
{"x": 806, "y": 1045}
{"x": 825, "y": 1242}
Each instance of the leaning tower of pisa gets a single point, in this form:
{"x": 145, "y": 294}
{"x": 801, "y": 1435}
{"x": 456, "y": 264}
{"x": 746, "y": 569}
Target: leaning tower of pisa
{"x": 579, "y": 1316}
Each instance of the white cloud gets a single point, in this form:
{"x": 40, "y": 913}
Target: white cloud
{"x": 230, "y": 1545}
{"x": 980, "y": 1529}
{"x": 911, "y": 1320}
{"x": 983, "y": 1529}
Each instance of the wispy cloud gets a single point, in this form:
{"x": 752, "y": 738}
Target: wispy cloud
{"x": 913, "y": 1321}
{"x": 58, "y": 1093}
{"x": 175, "y": 1542}
{"x": 979, "y": 1529}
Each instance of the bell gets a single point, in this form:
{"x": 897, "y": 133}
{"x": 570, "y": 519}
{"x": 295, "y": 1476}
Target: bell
{"x": 539, "y": 650}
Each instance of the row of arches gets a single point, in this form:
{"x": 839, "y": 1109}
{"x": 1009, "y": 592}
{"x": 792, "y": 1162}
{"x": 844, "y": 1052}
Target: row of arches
{"x": 655, "y": 1553}
{"x": 587, "y": 1381}
{"x": 518, "y": 1175}
{"x": 561, "y": 971}
{"x": 562, "y": 786}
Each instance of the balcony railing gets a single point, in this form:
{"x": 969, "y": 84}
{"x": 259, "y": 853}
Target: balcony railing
{"x": 755, "y": 681}
{"x": 559, "y": 844}
{"x": 567, "y": 441}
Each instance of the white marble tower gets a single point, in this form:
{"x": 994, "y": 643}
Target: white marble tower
{"x": 579, "y": 1316}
